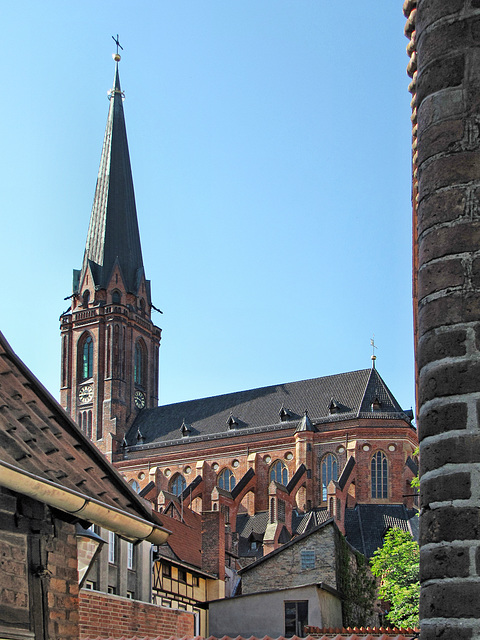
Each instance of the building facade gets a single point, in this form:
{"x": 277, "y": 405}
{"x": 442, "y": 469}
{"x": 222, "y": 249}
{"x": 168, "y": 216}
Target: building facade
{"x": 274, "y": 461}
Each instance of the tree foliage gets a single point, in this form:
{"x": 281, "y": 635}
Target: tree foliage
{"x": 396, "y": 563}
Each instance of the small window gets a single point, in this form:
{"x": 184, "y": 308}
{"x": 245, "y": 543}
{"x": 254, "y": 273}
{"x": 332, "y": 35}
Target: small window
{"x": 307, "y": 559}
{"x": 166, "y": 571}
{"x": 253, "y": 545}
{"x": 131, "y": 595}
{"x": 182, "y": 575}
{"x": 195, "y": 581}
{"x": 116, "y": 297}
{"x": 90, "y": 584}
{"x": 129, "y": 555}
{"x": 111, "y": 547}
{"x": 111, "y": 589}
{"x": 86, "y": 298}
{"x": 281, "y": 510}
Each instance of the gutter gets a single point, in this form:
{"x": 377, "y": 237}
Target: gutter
{"x": 77, "y": 504}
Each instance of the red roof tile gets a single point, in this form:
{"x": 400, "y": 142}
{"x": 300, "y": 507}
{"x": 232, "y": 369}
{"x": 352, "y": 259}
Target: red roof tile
{"x": 186, "y": 537}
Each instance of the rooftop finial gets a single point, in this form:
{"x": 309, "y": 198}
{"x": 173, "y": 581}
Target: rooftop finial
{"x": 116, "y": 56}
{"x": 373, "y": 356}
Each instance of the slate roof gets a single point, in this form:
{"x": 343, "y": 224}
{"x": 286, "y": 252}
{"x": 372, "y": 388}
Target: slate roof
{"x": 113, "y": 234}
{"x": 258, "y": 409}
{"x": 37, "y": 436}
{"x": 303, "y": 522}
{"x": 366, "y": 524}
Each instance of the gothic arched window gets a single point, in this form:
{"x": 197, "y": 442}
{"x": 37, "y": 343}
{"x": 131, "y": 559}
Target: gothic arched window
{"x": 85, "y": 357}
{"x": 116, "y": 297}
{"x": 135, "y": 486}
{"x": 379, "y": 468}
{"x": 329, "y": 472}
{"x": 139, "y": 364}
{"x": 178, "y": 484}
{"x": 279, "y": 472}
{"x": 226, "y": 480}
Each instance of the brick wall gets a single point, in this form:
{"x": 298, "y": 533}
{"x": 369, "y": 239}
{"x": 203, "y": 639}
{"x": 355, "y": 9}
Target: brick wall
{"x": 107, "y": 615}
{"x": 213, "y": 543}
{"x": 446, "y": 88}
{"x": 62, "y": 597}
{"x": 38, "y": 569}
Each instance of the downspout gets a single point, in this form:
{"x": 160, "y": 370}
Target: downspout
{"x": 126, "y": 525}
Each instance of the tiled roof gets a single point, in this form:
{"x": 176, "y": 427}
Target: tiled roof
{"x": 362, "y": 633}
{"x": 366, "y": 524}
{"x": 37, "y": 436}
{"x": 252, "y": 524}
{"x": 185, "y": 539}
{"x": 258, "y": 409}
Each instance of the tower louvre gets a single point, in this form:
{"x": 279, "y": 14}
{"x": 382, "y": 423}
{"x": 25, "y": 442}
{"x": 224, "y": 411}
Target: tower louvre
{"x": 109, "y": 343}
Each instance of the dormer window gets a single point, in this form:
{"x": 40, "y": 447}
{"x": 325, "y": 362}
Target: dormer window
{"x": 185, "y": 429}
{"x": 232, "y": 422}
{"x": 333, "y": 407}
{"x": 285, "y": 414}
{"x": 376, "y": 405}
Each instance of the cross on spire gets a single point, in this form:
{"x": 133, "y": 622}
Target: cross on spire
{"x": 117, "y": 42}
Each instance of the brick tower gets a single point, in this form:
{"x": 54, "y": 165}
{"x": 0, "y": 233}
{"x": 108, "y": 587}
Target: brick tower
{"x": 109, "y": 368}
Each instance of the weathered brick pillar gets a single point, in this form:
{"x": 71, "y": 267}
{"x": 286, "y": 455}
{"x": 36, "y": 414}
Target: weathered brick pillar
{"x": 447, "y": 40}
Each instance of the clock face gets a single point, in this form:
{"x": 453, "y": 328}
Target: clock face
{"x": 85, "y": 393}
{"x": 139, "y": 399}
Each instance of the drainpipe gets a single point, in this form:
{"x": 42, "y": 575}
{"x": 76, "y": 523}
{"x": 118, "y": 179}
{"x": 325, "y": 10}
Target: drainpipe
{"x": 126, "y": 525}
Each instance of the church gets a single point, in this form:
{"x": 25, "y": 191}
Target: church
{"x": 272, "y": 462}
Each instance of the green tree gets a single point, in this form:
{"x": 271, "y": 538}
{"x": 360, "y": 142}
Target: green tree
{"x": 396, "y": 564}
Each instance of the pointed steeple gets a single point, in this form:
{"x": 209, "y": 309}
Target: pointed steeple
{"x": 113, "y": 235}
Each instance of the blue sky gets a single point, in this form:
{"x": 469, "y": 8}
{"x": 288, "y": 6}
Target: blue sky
{"x": 270, "y": 148}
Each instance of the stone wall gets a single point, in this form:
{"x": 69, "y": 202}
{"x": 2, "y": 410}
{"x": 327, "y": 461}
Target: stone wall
{"x": 107, "y": 615}
{"x": 446, "y": 89}
{"x": 284, "y": 567}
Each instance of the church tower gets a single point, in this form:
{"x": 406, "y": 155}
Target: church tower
{"x": 109, "y": 366}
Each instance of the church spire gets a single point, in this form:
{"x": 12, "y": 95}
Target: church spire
{"x": 113, "y": 235}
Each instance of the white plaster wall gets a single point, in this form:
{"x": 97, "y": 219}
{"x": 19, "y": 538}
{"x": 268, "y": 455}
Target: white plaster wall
{"x": 261, "y": 614}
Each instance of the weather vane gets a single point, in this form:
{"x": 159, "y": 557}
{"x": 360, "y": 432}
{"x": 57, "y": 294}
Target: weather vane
{"x": 116, "y": 56}
{"x": 374, "y": 346}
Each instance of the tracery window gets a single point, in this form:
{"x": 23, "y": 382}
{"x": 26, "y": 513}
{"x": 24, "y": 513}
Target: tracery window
{"x": 178, "y": 484}
{"x": 329, "y": 472}
{"x": 226, "y": 480}
{"x": 279, "y": 472}
{"x": 379, "y": 468}
{"x": 85, "y": 357}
